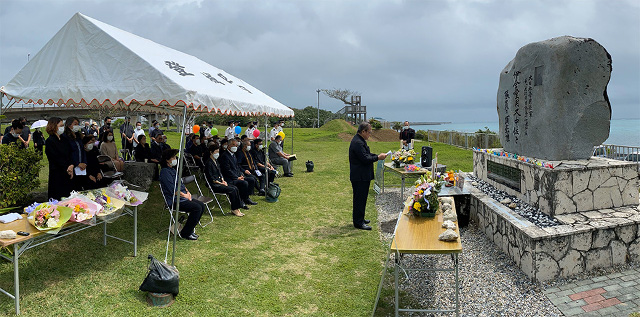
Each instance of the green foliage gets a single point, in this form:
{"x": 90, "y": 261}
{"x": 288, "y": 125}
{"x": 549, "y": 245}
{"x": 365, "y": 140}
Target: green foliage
{"x": 339, "y": 125}
{"x": 422, "y": 135}
{"x": 307, "y": 117}
{"x": 396, "y": 125}
{"x": 117, "y": 123}
{"x": 375, "y": 124}
{"x": 19, "y": 170}
{"x": 486, "y": 130}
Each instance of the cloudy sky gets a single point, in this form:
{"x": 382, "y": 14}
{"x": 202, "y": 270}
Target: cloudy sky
{"x": 418, "y": 60}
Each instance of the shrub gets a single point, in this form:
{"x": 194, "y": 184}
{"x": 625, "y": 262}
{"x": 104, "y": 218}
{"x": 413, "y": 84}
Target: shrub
{"x": 19, "y": 169}
{"x": 422, "y": 135}
{"x": 375, "y": 124}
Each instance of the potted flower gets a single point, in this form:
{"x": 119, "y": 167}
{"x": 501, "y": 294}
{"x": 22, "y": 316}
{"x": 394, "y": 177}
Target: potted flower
{"x": 424, "y": 201}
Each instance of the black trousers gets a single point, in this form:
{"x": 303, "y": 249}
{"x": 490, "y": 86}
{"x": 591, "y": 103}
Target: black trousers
{"x": 195, "y": 209}
{"x": 232, "y": 191}
{"x": 243, "y": 187}
{"x": 360, "y": 195}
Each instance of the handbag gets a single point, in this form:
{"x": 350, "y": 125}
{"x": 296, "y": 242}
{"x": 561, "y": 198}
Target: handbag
{"x": 161, "y": 278}
{"x": 273, "y": 192}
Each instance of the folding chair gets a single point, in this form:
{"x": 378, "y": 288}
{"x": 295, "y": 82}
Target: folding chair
{"x": 216, "y": 194}
{"x": 204, "y": 199}
{"x": 181, "y": 218}
{"x": 190, "y": 163}
{"x": 124, "y": 153}
{"x": 279, "y": 169}
{"x": 110, "y": 174}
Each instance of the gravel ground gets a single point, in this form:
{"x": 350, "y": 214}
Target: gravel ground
{"x": 491, "y": 284}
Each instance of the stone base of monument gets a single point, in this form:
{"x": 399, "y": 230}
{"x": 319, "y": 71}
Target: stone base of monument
{"x": 585, "y": 241}
{"x": 139, "y": 174}
{"x": 568, "y": 187}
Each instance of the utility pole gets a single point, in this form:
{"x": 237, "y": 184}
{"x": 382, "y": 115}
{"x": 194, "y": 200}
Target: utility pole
{"x": 318, "y": 91}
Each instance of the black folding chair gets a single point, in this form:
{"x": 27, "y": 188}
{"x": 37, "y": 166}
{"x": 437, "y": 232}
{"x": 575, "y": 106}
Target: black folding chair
{"x": 111, "y": 173}
{"x": 204, "y": 199}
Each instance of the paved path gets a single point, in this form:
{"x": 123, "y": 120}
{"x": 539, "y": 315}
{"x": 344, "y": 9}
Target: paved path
{"x": 616, "y": 294}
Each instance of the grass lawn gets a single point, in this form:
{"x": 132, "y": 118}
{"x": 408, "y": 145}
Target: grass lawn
{"x": 298, "y": 256}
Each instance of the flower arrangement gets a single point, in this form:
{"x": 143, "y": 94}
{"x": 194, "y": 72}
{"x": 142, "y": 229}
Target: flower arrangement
{"x": 424, "y": 201}
{"x": 47, "y": 216}
{"x": 411, "y": 168}
{"x": 83, "y": 208}
{"x": 403, "y": 157}
{"x": 117, "y": 190}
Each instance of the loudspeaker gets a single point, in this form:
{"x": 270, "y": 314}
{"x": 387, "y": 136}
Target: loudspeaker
{"x": 426, "y": 156}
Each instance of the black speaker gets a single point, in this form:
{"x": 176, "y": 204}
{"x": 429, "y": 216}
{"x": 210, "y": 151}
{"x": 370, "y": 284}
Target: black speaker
{"x": 426, "y": 156}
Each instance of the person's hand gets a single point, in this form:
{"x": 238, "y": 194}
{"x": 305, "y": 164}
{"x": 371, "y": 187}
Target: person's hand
{"x": 70, "y": 170}
{"x": 99, "y": 177}
{"x": 241, "y": 178}
{"x": 82, "y": 166}
{"x": 224, "y": 183}
{"x": 382, "y": 156}
{"x": 247, "y": 172}
{"x": 93, "y": 179}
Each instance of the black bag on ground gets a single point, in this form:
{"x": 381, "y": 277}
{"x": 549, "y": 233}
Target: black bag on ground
{"x": 161, "y": 278}
{"x": 273, "y": 192}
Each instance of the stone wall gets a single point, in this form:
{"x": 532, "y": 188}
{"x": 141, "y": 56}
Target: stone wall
{"x": 585, "y": 241}
{"x": 571, "y": 186}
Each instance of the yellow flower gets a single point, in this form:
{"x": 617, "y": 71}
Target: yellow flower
{"x": 417, "y": 206}
{"x": 108, "y": 200}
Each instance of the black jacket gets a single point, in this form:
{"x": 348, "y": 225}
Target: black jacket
{"x": 408, "y": 134}
{"x": 156, "y": 151}
{"x": 229, "y": 166}
{"x": 144, "y": 152}
{"x": 212, "y": 172}
{"x": 246, "y": 160}
{"x": 360, "y": 160}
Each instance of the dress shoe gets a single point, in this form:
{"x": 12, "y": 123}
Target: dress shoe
{"x": 248, "y": 201}
{"x": 245, "y": 207}
{"x": 366, "y": 222}
{"x": 288, "y": 175}
{"x": 363, "y": 227}
{"x": 190, "y": 237}
{"x": 261, "y": 193}
{"x": 194, "y": 234}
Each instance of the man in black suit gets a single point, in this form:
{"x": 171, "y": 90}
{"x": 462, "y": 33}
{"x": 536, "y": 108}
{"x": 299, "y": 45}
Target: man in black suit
{"x": 233, "y": 175}
{"x": 361, "y": 173}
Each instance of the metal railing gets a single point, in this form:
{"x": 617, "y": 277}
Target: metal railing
{"x": 465, "y": 139}
{"x": 617, "y": 152}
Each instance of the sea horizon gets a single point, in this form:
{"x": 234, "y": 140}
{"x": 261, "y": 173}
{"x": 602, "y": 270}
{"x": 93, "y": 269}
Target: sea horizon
{"x": 621, "y": 131}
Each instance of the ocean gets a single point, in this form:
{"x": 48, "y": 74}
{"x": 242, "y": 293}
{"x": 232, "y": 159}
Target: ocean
{"x": 621, "y": 132}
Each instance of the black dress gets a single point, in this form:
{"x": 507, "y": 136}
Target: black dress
{"x": 143, "y": 152}
{"x": 212, "y": 173}
{"x": 59, "y": 155}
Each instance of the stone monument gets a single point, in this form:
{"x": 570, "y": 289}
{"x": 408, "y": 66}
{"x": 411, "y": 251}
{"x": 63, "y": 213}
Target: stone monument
{"x": 552, "y": 99}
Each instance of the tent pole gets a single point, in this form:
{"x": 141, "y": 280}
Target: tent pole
{"x": 178, "y": 183}
{"x": 266, "y": 157}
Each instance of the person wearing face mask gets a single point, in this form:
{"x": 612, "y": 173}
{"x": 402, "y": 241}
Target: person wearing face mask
{"x": 106, "y": 127}
{"x": 407, "y": 135}
{"x": 193, "y": 207}
{"x": 13, "y": 135}
{"x": 232, "y": 173}
{"x": 58, "y": 150}
{"x": 248, "y": 165}
{"x": 279, "y": 157}
{"x": 136, "y": 134}
{"x": 126, "y": 135}
{"x": 257, "y": 152}
{"x": 86, "y": 130}
{"x": 94, "y": 130}
{"x": 108, "y": 148}
{"x": 230, "y": 132}
{"x": 218, "y": 184}
{"x": 249, "y": 132}
{"x": 38, "y": 140}
{"x": 196, "y": 150}
{"x": 94, "y": 176}
{"x": 156, "y": 131}
{"x": 25, "y": 136}
{"x": 78, "y": 155}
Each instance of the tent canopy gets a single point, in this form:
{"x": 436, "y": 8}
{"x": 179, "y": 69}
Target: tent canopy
{"x": 89, "y": 63}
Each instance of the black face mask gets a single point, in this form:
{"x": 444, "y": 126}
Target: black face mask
{"x": 108, "y": 124}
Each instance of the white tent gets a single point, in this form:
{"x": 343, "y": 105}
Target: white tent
{"x": 92, "y": 64}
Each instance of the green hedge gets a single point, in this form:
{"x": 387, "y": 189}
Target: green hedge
{"x": 19, "y": 169}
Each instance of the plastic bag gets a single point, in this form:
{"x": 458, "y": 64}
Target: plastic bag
{"x": 161, "y": 278}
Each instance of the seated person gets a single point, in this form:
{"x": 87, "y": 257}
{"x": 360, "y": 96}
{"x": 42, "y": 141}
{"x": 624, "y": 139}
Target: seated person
{"x": 196, "y": 150}
{"x": 248, "y": 164}
{"x": 224, "y": 143}
{"x": 108, "y": 148}
{"x": 143, "y": 150}
{"x": 233, "y": 175}
{"x": 94, "y": 175}
{"x": 13, "y": 135}
{"x": 257, "y": 152}
{"x": 193, "y": 207}
{"x": 217, "y": 182}
{"x": 278, "y": 157}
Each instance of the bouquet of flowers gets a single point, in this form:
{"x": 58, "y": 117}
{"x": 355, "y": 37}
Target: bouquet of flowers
{"x": 411, "y": 168}
{"x": 403, "y": 156}
{"x": 83, "y": 209}
{"x": 48, "y": 216}
{"x": 424, "y": 201}
{"x": 118, "y": 190}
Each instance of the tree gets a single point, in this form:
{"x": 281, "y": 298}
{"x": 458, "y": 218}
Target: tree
{"x": 343, "y": 95}
{"x": 396, "y": 125}
{"x": 375, "y": 124}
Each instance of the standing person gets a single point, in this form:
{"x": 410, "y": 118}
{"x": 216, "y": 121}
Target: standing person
{"x": 78, "y": 154}
{"x": 58, "y": 152}
{"x": 249, "y": 132}
{"x": 137, "y": 133}
{"x": 193, "y": 207}
{"x": 126, "y": 134}
{"x": 152, "y": 127}
{"x": 217, "y": 182}
{"x": 94, "y": 130}
{"x": 25, "y": 136}
{"x": 361, "y": 173}
{"x": 106, "y": 127}
{"x": 13, "y": 136}
{"x": 274, "y": 131}
{"x": 156, "y": 132}
{"x": 407, "y": 135}
{"x": 87, "y": 128}
{"x": 230, "y": 132}
{"x": 94, "y": 175}
{"x": 38, "y": 140}
{"x": 279, "y": 157}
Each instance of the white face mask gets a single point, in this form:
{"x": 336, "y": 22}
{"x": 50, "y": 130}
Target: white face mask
{"x": 110, "y": 138}
{"x": 224, "y": 146}
{"x": 233, "y": 149}
{"x": 60, "y": 130}
{"x": 206, "y": 142}
{"x": 280, "y": 143}
{"x": 15, "y": 135}
{"x": 138, "y": 128}
{"x": 216, "y": 155}
{"x": 89, "y": 147}
{"x": 198, "y": 142}
{"x": 248, "y": 147}
{"x": 405, "y": 127}
{"x": 174, "y": 162}
{"x": 260, "y": 147}
{"x": 95, "y": 133}
{"x": 75, "y": 128}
